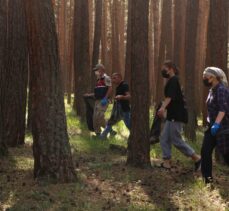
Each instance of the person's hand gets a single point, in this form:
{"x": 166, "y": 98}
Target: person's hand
{"x": 104, "y": 101}
{"x": 118, "y": 97}
{"x": 88, "y": 95}
{"x": 161, "y": 112}
{"x": 214, "y": 129}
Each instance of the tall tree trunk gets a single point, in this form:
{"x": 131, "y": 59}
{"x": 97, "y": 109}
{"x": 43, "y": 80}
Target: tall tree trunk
{"x": 3, "y": 39}
{"x": 190, "y": 51}
{"x": 91, "y": 17}
{"x": 81, "y": 55}
{"x": 138, "y": 143}
{"x": 62, "y": 27}
{"x": 179, "y": 36}
{"x": 51, "y": 148}
{"x": 201, "y": 54}
{"x": 121, "y": 26}
{"x": 165, "y": 50}
{"x": 150, "y": 47}
{"x": 217, "y": 39}
{"x": 128, "y": 46}
{"x": 70, "y": 49}
{"x": 115, "y": 38}
{"x": 97, "y": 38}
{"x": 104, "y": 26}
{"x": 156, "y": 42}
{"x": 17, "y": 75}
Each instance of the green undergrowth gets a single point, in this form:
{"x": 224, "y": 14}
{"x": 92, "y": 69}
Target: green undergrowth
{"x": 104, "y": 182}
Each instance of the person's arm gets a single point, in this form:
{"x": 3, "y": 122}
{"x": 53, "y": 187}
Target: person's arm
{"x": 109, "y": 92}
{"x": 89, "y": 95}
{"x": 220, "y": 117}
{"x": 165, "y": 103}
{"x": 222, "y": 102}
{"x": 123, "y": 97}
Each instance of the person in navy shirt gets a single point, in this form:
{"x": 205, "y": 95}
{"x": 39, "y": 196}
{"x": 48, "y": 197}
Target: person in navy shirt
{"x": 217, "y": 134}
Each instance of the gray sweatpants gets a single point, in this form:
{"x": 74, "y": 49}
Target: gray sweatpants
{"x": 171, "y": 134}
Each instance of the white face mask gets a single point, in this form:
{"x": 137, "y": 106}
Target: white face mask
{"x": 97, "y": 73}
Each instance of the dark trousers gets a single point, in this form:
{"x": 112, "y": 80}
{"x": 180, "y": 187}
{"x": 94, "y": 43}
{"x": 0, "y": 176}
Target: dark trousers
{"x": 208, "y": 146}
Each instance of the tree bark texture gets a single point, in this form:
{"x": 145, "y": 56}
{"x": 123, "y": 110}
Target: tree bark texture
{"x": 51, "y": 148}
{"x": 81, "y": 56}
{"x": 128, "y": 46}
{"x": 138, "y": 143}
{"x": 3, "y": 39}
{"x": 17, "y": 75}
{"x": 179, "y": 36}
{"x": 165, "y": 49}
{"x": 97, "y": 38}
{"x": 190, "y": 51}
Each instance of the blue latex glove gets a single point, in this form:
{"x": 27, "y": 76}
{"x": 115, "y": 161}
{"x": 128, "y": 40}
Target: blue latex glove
{"x": 214, "y": 129}
{"x": 104, "y": 101}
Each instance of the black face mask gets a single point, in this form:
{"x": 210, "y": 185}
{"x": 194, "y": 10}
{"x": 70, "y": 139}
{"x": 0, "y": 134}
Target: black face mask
{"x": 207, "y": 83}
{"x": 164, "y": 73}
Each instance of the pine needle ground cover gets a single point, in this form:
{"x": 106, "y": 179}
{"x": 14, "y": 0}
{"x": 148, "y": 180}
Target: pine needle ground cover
{"x": 106, "y": 183}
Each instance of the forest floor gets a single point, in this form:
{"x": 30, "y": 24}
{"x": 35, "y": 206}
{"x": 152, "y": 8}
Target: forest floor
{"x": 106, "y": 183}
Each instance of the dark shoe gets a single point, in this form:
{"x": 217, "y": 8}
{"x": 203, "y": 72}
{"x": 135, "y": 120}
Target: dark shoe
{"x": 113, "y": 133}
{"x": 197, "y": 165}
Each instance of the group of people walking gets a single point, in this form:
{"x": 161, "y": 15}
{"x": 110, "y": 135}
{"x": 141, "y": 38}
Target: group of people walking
{"x": 175, "y": 112}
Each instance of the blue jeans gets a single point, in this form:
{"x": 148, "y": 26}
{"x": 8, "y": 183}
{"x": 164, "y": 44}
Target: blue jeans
{"x": 125, "y": 116}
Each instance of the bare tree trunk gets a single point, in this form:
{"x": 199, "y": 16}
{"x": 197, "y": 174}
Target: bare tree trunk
{"x": 165, "y": 50}
{"x": 151, "y": 51}
{"x": 121, "y": 25}
{"x": 91, "y": 15}
{"x": 201, "y": 54}
{"x": 3, "y": 39}
{"x": 179, "y": 36}
{"x": 70, "y": 50}
{"x": 190, "y": 51}
{"x": 138, "y": 143}
{"x": 17, "y": 75}
{"x": 97, "y": 38}
{"x": 156, "y": 43}
{"x": 51, "y": 148}
{"x": 217, "y": 39}
{"x": 115, "y": 38}
{"x": 62, "y": 40}
{"x": 104, "y": 34}
{"x": 128, "y": 46}
{"x": 81, "y": 56}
